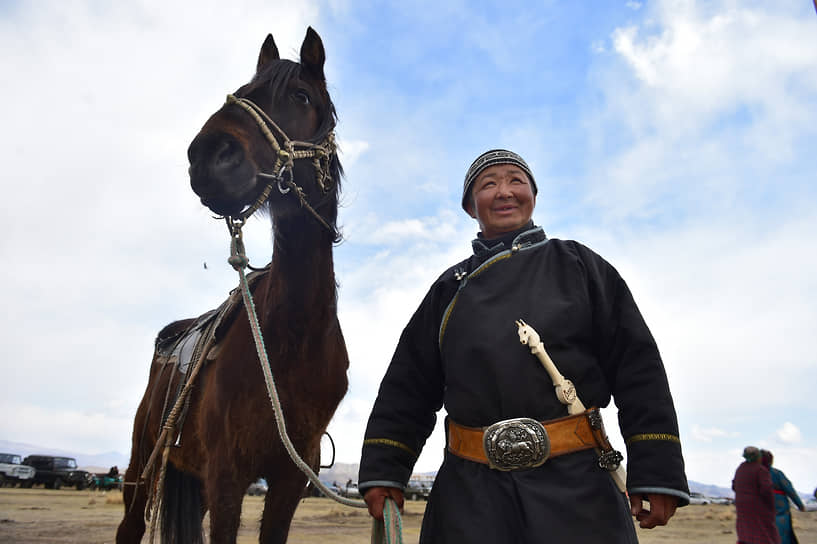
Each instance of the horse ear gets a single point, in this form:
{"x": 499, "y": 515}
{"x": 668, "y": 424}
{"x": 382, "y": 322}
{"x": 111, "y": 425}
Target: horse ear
{"x": 313, "y": 55}
{"x": 269, "y": 53}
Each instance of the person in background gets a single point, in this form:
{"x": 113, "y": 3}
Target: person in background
{"x": 783, "y": 490}
{"x": 461, "y": 350}
{"x": 754, "y": 501}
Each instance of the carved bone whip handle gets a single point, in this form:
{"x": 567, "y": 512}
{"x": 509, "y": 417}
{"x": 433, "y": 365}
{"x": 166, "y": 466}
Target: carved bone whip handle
{"x": 565, "y": 390}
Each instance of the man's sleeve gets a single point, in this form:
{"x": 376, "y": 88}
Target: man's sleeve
{"x": 410, "y": 394}
{"x": 635, "y": 374}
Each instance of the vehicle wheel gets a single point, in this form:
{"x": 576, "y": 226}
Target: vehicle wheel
{"x": 57, "y": 483}
{"x": 2, "y": 480}
{"x": 27, "y": 483}
{"x": 80, "y": 485}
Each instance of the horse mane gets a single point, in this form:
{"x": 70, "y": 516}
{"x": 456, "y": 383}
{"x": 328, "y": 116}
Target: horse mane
{"x": 276, "y": 77}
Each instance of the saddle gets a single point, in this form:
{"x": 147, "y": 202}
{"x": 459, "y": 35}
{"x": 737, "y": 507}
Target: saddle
{"x": 182, "y": 343}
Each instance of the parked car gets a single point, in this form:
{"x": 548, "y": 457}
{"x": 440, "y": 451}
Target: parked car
{"x": 351, "y": 491}
{"x": 258, "y": 487}
{"x": 13, "y": 471}
{"x": 699, "y": 498}
{"x": 417, "y": 489}
{"x": 54, "y": 472}
{"x": 334, "y": 487}
{"x": 811, "y": 505}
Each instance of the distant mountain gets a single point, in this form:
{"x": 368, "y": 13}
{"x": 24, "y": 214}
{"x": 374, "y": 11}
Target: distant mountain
{"x": 84, "y": 460}
{"x": 715, "y": 491}
{"x": 340, "y": 473}
{"x": 711, "y": 490}
{"x": 343, "y": 472}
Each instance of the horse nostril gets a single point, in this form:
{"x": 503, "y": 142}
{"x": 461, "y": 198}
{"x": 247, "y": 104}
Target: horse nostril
{"x": 227, "y": 155}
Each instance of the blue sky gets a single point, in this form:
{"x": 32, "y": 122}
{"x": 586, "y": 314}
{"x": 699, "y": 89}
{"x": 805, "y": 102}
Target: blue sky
{"x": 673, "y": 137}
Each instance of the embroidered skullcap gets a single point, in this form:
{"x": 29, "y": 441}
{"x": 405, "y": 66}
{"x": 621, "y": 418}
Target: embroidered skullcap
{"x": 490, "y": 158}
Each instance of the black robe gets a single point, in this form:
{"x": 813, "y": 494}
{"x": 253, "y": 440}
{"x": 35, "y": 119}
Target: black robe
{"x": 461, "y": 350}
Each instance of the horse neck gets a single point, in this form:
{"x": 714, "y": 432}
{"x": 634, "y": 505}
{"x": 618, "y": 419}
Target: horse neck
{"x": 301, "y": 288}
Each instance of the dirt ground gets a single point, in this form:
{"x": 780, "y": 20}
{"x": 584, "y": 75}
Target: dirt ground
{"x": 39, "y": 516}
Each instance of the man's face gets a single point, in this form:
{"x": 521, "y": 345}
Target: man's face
{"x": 502, "y": 200}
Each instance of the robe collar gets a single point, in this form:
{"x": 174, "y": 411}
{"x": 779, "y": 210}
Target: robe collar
{"x": 529, "y": 234}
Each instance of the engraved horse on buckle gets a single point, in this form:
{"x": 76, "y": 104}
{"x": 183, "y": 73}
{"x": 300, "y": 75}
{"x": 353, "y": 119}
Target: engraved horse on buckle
{"x": 515, "y": 444}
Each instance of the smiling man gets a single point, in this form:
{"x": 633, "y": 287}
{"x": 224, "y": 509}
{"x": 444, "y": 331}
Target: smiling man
{"x": 518, "y": 468}
{"x": 503, "y": 199}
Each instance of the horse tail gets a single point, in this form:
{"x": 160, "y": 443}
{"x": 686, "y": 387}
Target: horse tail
{"x": 182, "y": 511}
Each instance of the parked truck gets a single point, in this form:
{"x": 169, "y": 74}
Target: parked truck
{"x": 13, "y": 471}
{"x": 54, "y": 472}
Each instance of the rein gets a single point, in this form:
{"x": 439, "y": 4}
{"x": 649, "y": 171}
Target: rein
{"x": 287, "y": 151}
{"x": 388, "y": 531}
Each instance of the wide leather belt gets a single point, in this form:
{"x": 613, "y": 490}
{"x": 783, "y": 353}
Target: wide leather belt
{"x": 526, "y": 443}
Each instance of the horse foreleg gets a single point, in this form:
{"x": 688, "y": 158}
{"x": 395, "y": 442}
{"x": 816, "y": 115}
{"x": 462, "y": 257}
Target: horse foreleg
{"x": 132, "y": 527}
{"x": 283, "y": 495}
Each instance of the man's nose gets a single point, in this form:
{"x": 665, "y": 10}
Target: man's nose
{"x": 504, "y": 190}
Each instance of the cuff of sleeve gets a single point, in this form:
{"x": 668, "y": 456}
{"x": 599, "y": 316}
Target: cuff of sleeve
{"x": 683, "y": 498}
{"x": 363, "y": 486}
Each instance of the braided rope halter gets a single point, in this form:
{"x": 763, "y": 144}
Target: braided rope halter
{"x": 287, "y": 151}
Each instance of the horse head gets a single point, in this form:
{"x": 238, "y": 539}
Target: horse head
{"x": 274, "y": 136}
{"x": 527, "y": 334}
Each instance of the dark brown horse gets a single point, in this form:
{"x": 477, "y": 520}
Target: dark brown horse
{"x": 228, "y": 437}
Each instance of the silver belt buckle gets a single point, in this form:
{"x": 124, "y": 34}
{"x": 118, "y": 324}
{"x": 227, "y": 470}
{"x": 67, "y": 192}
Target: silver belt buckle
{"x": 516, "y": 443}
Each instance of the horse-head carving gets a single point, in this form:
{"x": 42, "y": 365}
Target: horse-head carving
{"x": 234, "y": 161}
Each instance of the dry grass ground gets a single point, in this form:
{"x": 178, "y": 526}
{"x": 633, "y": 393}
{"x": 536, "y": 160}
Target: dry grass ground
{"x": 40, "y": 516}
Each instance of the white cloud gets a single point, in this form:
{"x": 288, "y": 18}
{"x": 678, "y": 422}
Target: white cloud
{"x": 702, "y": 64}
{"x": 707, "y": 434}
{"x": 82, "y": 431}
{"x": 351, "y": 150}
{"x": 789, "y": 434}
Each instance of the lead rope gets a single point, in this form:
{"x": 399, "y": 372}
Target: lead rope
{"x": 388, "y": 531}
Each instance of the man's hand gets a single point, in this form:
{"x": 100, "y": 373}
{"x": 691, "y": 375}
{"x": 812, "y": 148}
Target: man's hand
{"x": 375, "y": 498}
{"x": 662, "y": 507}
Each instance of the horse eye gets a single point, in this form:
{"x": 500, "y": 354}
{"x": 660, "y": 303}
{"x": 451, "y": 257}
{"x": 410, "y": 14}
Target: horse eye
{"x": 302, "y": 96}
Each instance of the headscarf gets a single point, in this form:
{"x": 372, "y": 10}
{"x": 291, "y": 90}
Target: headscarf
{"x": 751, "y": 454}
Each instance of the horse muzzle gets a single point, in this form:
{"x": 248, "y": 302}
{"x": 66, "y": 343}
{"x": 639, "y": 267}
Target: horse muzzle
{"x": 221, "y": 174}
